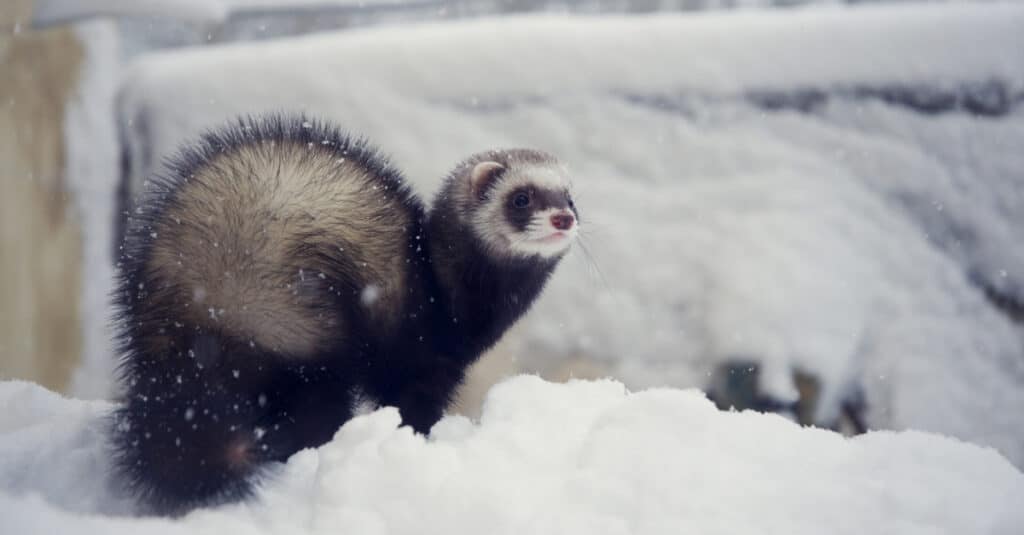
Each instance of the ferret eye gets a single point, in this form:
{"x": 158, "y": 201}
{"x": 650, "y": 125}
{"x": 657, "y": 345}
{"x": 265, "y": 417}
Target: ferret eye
{"x": 521, "y": 200}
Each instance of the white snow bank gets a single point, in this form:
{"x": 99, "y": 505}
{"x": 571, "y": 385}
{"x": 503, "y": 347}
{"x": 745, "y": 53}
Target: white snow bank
{"x": 49, "y": 12}
{"x": 91, "y": 163}
{"x": 555, "y": 54}
{"x": 583, "y": 457}
{"x": 846, "y": 242}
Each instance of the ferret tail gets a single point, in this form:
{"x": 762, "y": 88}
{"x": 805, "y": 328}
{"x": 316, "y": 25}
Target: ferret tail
{"x": 185, "y": 439}
{"x": 203, "y": 428}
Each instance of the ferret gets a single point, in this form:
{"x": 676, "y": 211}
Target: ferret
{"x": 280, "y": 272}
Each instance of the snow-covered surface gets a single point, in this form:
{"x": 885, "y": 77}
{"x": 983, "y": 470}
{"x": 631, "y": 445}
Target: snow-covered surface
{"x": 540, "y": 56}
{"x": 847, "y": 242}
{"x": 91, "y": 159}
{"x": 48, "y": 12}
{"x": 583, "y": 457}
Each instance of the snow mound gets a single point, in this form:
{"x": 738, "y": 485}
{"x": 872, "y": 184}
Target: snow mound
{"x": 583, "y": 457}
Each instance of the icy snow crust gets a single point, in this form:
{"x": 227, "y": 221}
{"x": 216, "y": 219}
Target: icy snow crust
{"x": 852, "y": 242}
{"x": 583, "y": 457}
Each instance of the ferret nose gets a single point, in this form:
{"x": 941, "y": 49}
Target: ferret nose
{"x": 562, "y": 221}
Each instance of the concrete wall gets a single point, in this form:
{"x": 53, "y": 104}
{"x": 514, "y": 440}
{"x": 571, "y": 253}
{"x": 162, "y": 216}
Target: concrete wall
{"x": 40, "y": 242}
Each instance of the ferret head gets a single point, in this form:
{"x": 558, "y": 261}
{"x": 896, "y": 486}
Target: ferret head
{"x": 516, "y": 202}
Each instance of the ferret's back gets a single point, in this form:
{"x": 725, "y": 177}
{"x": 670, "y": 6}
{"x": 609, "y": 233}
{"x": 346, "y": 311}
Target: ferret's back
{"x": 260, "y": 224}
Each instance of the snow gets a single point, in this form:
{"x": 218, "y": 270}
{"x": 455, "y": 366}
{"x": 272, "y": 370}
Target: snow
{"x": 853, "y": 242}
{"x": 582, "y": 457}
{"x": 50, "y": 12}
{"x": 91, "y": 157}
{"x": 540, "y": 56}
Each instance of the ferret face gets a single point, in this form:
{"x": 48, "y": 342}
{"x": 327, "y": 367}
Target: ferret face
{"x": 523, "y": 205}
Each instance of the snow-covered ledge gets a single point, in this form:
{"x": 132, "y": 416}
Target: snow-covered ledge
{"x": 52, "y": 12}
{"x": 582, "y": 457}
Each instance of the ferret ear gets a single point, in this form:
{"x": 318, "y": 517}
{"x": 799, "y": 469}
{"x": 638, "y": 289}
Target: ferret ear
{"x": 482, "y": 175}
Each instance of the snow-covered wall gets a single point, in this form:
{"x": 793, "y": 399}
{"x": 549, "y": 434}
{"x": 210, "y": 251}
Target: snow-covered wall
{"x": 51, "y": 12}
{"x": 579, "y": 458}
{"x": 91, "y": 161}
{"x": 854, "y": 239}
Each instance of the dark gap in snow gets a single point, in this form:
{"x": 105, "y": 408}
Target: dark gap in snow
{"x": 1007, "y": 304}
{"x": 987, "y": 98}
{"x": 736, "y": 386}
{"x": 802, "y": 100}
{"x": 958, "y": 239}
{"x": 685, "y": 105}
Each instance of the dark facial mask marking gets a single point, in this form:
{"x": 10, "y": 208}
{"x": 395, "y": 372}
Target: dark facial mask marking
{"x": 540, "y": 200}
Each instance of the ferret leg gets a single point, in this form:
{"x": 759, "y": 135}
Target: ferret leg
{"x": 423, "y": 399}
{"x": 306, "y": 406}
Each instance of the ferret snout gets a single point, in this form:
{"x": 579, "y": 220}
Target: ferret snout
{"x": 563, "y": 221}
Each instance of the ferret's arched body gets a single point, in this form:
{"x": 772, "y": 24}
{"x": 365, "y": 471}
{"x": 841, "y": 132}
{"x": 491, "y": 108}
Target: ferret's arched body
{"x": 280, "y": 270}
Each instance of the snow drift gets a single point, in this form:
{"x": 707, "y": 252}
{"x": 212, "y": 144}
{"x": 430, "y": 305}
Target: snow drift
{"x": 583, "y": 457}
{"x": 810, "y": 190}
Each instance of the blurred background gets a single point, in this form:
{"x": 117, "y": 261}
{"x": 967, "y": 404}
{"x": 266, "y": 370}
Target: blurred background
{"x": 812, "y": 208}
